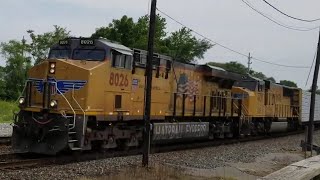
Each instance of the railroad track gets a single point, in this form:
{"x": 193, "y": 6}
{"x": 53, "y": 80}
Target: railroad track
{"x": 23, "y": 164}
{"x": 12, "y": 162}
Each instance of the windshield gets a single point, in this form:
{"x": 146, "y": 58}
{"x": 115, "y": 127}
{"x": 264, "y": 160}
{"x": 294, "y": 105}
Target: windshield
{"x": 59, "y": 54}
{"x": 89, "y": 54}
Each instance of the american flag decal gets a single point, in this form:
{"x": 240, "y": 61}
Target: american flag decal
{"x": 53, "y": 89}
{"x": 188, "y": 87}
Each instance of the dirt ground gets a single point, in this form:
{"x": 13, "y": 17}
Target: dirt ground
{"x": 233, "y": 171}
{"x": 155, "y": 172}
{"x": 249, "y": 171}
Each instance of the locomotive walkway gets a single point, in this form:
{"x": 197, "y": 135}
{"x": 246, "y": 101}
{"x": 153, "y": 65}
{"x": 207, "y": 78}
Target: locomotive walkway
{"x": 302, "y": 170}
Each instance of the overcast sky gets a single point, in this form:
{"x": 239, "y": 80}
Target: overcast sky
{"x": 229, "y": 22}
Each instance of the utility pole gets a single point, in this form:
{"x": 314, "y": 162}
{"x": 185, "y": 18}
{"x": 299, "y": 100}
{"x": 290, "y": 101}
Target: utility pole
{"x": 313, "y": 97}
{"x": 249, "y": 63}
{"x": 148, "y": 85}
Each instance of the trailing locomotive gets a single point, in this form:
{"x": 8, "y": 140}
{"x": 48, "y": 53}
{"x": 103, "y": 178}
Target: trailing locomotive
{"x": 90, "y": 93}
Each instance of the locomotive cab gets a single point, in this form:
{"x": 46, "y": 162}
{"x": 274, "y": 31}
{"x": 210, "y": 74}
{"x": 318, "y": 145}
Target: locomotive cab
{"x": 61, "y": 92}
{"x": 251, "y": 91}
{"x": 268, "y": 106}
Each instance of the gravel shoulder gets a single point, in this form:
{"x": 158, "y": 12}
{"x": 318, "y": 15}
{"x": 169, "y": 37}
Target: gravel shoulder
{"x": 5, "y": 130}
{"x": 238, "y": 161}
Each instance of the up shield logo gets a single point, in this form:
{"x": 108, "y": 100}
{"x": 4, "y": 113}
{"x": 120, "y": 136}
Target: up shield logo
{"x": 58, "y": 86}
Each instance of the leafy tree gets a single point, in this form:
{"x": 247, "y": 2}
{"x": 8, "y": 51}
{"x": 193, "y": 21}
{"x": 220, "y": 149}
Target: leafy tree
{"x": 259, "y": 75}
{"x": 41, "y": 43}
{"x": 288, "y": 83}
{"x": 2, "y": 83}
{"x": 180, "y": 44}
{"x": 17, "y": 65}
{"x": 239, "y": 68}
{"x": 133, "y": 34}
{"x": 19, "y": 56}
{"x": 317, "y": 90}
{"x": 119, "y": 30}
{"x": 184, "y": 47}
{"x": 142, "y": 29}
{"x": 232, "y": 66}
{"x": 271, "y": 79}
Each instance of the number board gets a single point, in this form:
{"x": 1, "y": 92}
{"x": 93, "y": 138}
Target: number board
{"x": 118, "y": 79}
{"x": 87, "y": 42}
{"x": 63, "y": 42}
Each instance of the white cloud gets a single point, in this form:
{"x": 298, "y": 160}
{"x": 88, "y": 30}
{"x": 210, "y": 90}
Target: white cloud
{"x": 130, "y": 5}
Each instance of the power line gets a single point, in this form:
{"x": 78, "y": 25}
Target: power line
{"x": 225, "y": 47}
{"x": 314, "y": 58}
{"x": 277, "y": 22}
{"x": 305, "y": 20}
{"x": 276, "y": 64}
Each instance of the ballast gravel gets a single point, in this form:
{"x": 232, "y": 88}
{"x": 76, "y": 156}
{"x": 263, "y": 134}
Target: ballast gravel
{"x": 206, "y": 158}
{"x": 5, "y": 149}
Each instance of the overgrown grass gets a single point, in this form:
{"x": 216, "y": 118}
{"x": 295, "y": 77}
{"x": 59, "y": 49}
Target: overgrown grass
{"x": 6, "y": 111}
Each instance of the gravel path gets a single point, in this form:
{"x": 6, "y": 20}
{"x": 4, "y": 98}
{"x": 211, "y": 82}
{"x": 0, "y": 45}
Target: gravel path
{"x": 209, "y": 158}
{"x": 206, "y": 158}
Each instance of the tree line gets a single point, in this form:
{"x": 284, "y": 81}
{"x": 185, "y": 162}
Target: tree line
{"x": 181, "y": 45}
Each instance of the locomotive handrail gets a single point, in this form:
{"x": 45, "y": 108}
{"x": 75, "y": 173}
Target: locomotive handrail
{"x": 74, "y": 113}
{"x": 84, "y": 113}
{"x": 245, "y": 109}
{"x": 24, "y": 88}
{"x": 244, "y": 115}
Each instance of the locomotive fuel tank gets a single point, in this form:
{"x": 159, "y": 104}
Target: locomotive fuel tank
{"x": 278, "y": 127}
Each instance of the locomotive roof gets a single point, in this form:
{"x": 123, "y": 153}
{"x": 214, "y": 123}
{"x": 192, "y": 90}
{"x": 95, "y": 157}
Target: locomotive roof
{"x": 215, "y": 67}
{"x": 210, "y": 71}
{"x": 101, "y": 43}
{"x": 220, "y": 73}
{"x": 116, "y": 46}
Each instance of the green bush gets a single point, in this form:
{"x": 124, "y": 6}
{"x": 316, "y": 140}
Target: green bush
{"x": 6, "y": 111}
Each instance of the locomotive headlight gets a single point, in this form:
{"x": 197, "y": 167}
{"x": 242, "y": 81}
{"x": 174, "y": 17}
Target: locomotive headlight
{"x": 53, "y": 103}
{"x": 52, "y": 71}
{"x": 52, "y": 65}
{"x": 21, "y": 100}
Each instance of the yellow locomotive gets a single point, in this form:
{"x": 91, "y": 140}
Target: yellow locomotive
{"x": 265, "y": 103}
{"x": 90, "y": 93}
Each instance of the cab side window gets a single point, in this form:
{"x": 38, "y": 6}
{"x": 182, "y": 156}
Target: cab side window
{"x": 121, "y": 60}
